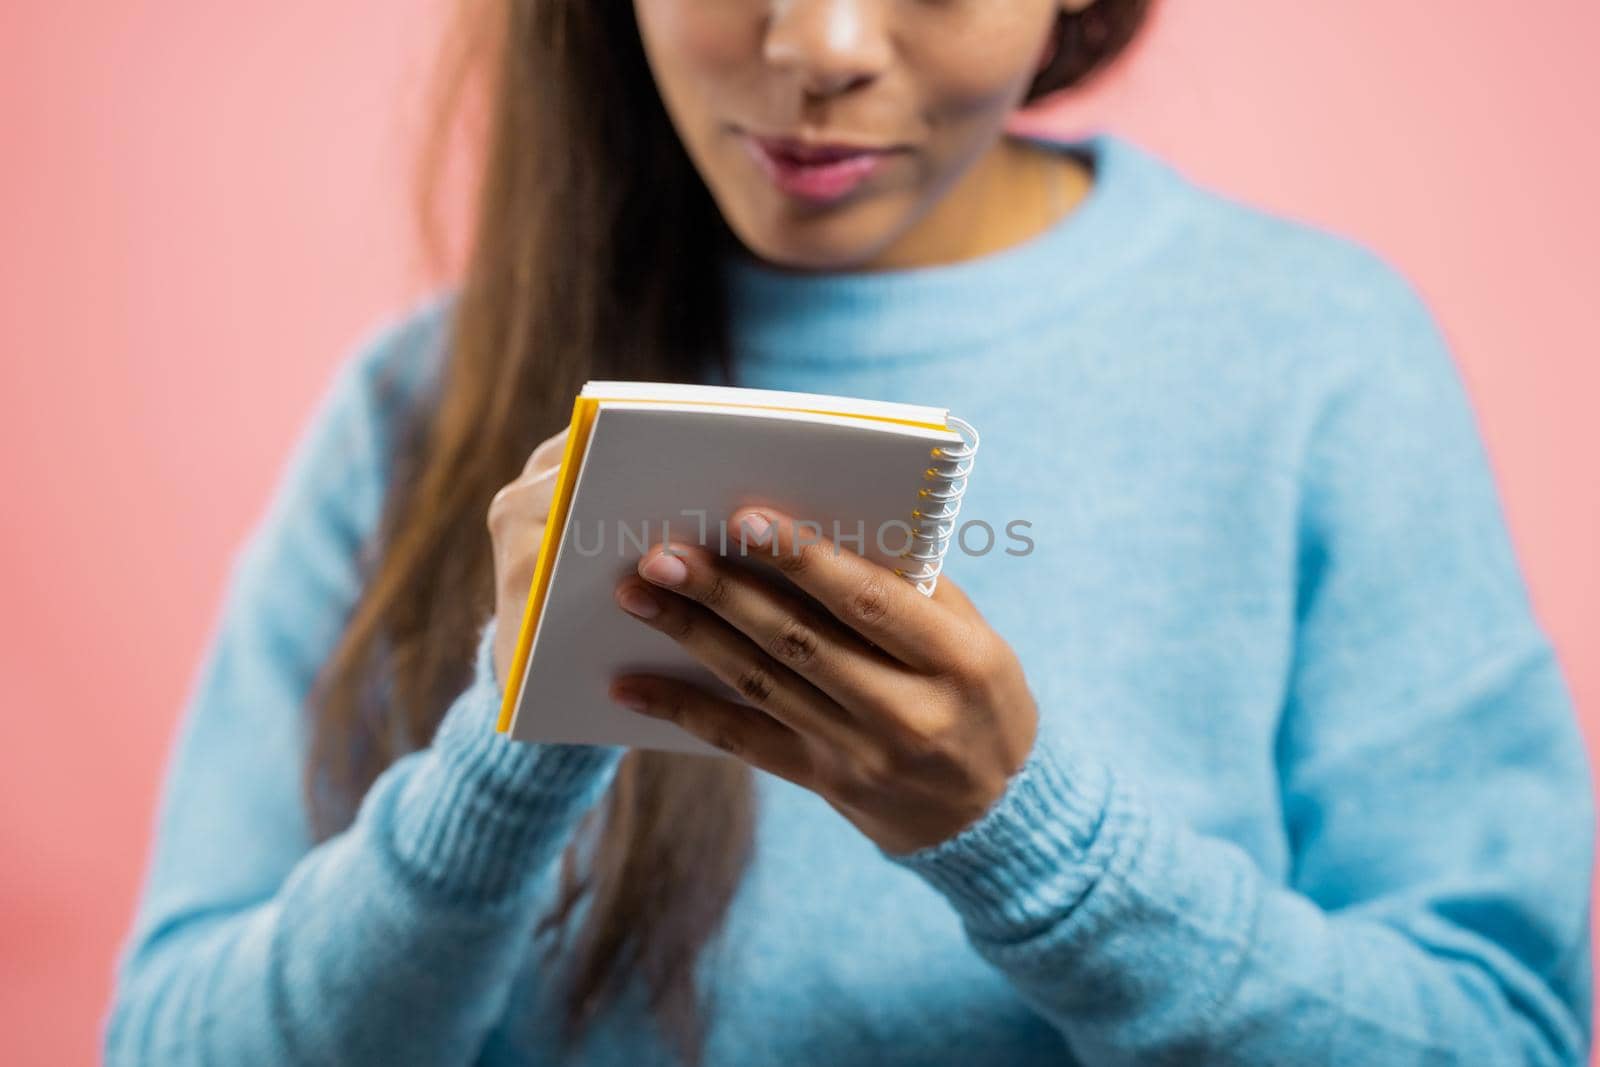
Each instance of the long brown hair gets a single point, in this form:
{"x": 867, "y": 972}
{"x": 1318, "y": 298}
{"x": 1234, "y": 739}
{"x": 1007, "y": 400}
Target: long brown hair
{"x": 595, "y": 252}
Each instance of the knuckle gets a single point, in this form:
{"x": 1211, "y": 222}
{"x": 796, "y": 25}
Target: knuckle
{"x": 797, "y": 560}
{"x": 679, "y": 625}
{"x": 499, "y": 507}
{"x": 724, "y": 737}
{"x": 674, "y": 705}
{"x": 966, "y": 665}
{"x": 860, "y": 778}
{"x": 716, "y": 591}
{"x": 925, "y": 747}
{"x": 869, "y": 603}
{"x": 755, "y": 684}
{"x": 794, "y": 643}
{"x": 510, "y": 506}
{"x": 876, "y": 772}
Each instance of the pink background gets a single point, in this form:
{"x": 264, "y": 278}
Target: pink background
{"x": 203, "y": 211}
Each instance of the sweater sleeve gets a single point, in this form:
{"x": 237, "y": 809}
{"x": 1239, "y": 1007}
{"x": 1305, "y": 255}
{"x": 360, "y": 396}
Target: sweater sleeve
{"x": 1435, "y": 796}
{"x": 395, "y": 941}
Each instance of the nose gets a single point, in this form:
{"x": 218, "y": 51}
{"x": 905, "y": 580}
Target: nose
{"x": 830, "y": 46}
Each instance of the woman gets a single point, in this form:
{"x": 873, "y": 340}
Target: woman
{"x": 1258, "y": 757}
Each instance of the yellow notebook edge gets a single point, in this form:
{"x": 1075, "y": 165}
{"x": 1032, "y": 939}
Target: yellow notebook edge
{"x": 583, "y": 412}
{"x": 584, "y": 409}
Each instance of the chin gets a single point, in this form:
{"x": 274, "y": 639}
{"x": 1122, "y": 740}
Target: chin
{"x": 821, "y": 241}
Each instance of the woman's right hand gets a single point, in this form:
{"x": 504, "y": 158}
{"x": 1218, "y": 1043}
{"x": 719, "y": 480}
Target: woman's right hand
{"x": 516, "y": 519}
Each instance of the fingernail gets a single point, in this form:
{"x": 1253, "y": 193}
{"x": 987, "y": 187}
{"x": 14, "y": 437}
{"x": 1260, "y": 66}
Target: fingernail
{"x": 756, "y": 527}
{"x": 636, "y": 601}
{"x": 665, "y": 570}
{"x": 628, "y": 698}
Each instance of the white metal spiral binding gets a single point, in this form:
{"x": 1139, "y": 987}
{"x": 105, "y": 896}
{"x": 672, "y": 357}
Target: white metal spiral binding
{"x": 933, "y": 520}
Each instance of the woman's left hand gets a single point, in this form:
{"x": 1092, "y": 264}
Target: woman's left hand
{"x": 907, "y": 713}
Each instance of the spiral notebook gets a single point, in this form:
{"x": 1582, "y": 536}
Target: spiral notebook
{"x": 647, "y": 461}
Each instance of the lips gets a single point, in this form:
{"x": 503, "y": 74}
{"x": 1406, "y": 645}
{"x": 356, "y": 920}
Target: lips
{"x": 801, "y": 154}
{"x": 816, "y": 171}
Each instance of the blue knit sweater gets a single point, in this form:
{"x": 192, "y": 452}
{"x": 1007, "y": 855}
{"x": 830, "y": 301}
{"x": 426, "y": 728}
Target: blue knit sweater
{"x": 1308, "y": 787}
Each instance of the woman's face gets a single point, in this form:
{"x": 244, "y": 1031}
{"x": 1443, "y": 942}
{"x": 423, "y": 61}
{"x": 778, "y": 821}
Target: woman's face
{"x": 897, "y": 99}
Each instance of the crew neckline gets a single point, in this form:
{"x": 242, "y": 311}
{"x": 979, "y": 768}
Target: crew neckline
{"x": 921, "y": 312}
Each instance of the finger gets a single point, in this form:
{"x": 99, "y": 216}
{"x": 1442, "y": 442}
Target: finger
{"x": 739, "y": 664}
{"x": 517, "y": 518}
{"x": 807, "y": 640}
{"x": 952, "y": 596}
{"x": 742, "y": 732}
{"x": 528, "y": 499}
{"x": 869, "y": 598}
{"x": 548, "y": 453}
{"x": 539, "y": 491}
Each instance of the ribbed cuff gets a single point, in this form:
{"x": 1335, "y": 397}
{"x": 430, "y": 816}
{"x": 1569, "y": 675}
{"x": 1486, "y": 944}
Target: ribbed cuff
{"x": 480, "y": 815}
{"x": 1034, "y": 854}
